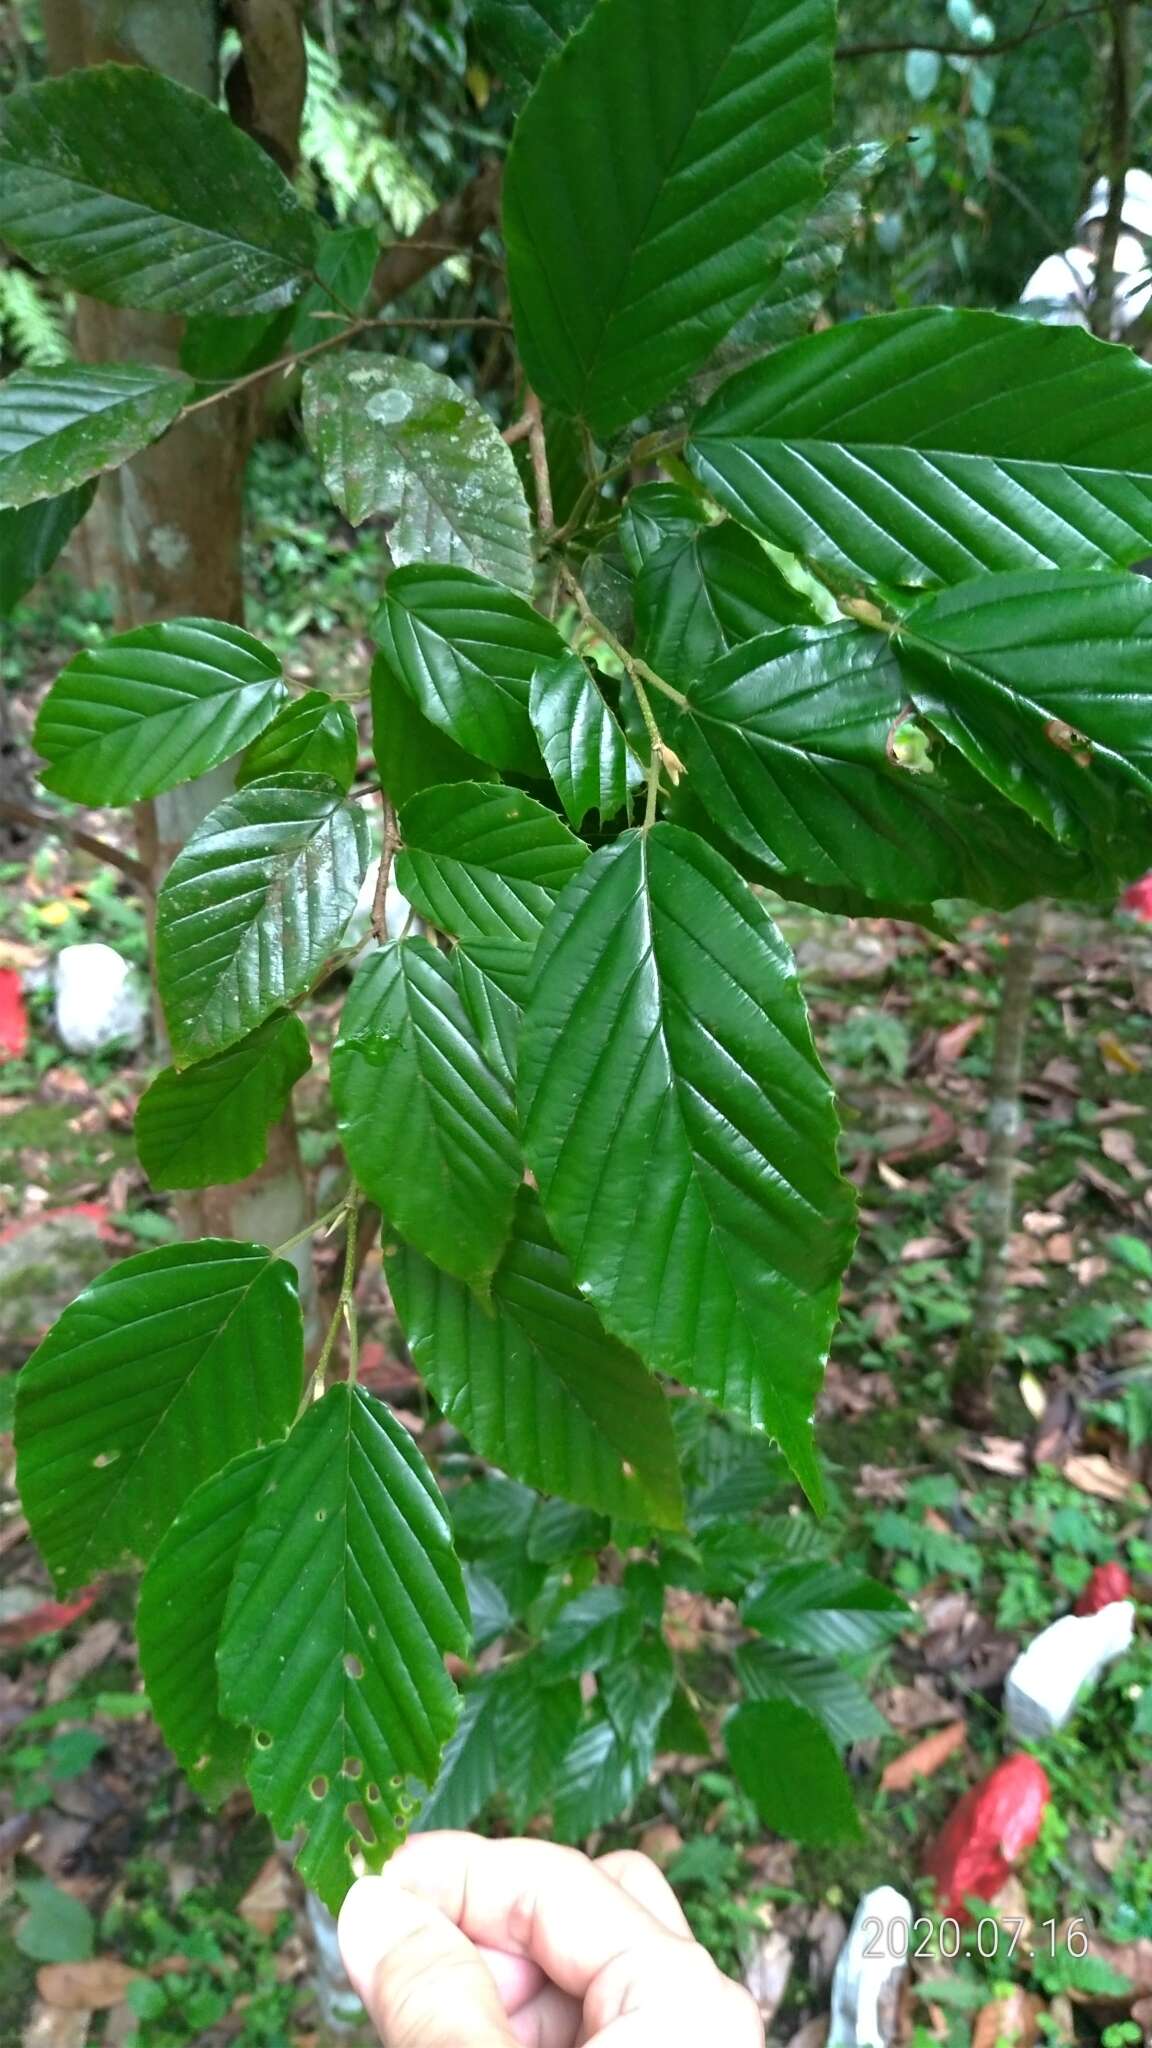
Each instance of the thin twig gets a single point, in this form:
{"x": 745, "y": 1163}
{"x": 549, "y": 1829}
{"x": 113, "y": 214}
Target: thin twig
{"x": 631, "y": 663}
{"x": 63, "y": 828}
{"x": 345, "y": 1309}
{"x": 318, "y": 1223}
{"x": 538, "y": 449}
{"x": 519, "y": 430}
{"x": 303, "y": 355}
{"x": 639, "y": 674}
{"x": 901, "y": 47}
{"x": 1119, "y": 156}
{"x": 389, "y": 848}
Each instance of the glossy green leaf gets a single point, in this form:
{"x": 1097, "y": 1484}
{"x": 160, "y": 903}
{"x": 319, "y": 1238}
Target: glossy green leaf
{"x": 827, "y": 1609}
{"x": 394, "y": 437}
{"x": 820, "y": 1685}
{"x": 127, "y": 186}
{"x": 410, "y": 752}
{"x": 203, "y": 1126}
{"x": 536, "y": 1384}
{"x": 466, "y": 651}
{"x": 493, "y": 976}
{"x": 1044, "y": 683}
{"x": 165, "y": 1368}
{"x": 427, "y": 1127}
{"x": 636, "y": 1694}
{"x": 314, "y": 734}
{"x": 252, "y": 907}
{"x": 155, "y": 707}
{"x": 583, "y": 745}
{"x": 801, "y": 747}
{"x": 32, "y": 536}
{"x": 59, "y": 427}
{"x": 598, "y": 1781}
{"x": 924, "y": 447}
{"x": 183, "y": 1595}
{"x": 517, "y": 1725}
{"x": 520, "y": 35}
{"x": 655, "y": 514}
{"x": 628, "y": 262}
{"x": 345, "y": 1599}
{"x": 469, "y": 1774}
{"x": 598, "y": 1627}
{"x": 701, "y": 595}
{"x": 788, "y": 1766}
{"x": 482, "y": 861}
{"x": 682, "y": 1133}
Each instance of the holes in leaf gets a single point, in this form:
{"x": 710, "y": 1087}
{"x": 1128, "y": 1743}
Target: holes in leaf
{"x": 371, "y": 1794}
{"x": 319, "y": 1788}
{"x": 263, "y": 1739}
{"x": 321, "y": 1514}
{"x": 352, "y": 1666}
{"x": 361, "y": 1823}
{"x": 397, "y": 1784}
{"x": 352, "y": 1767}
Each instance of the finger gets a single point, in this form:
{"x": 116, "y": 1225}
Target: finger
{"x": 531, "y": 1898}
{"x": 640, "y": 1878}
{"x": 550, "y": 2020}
{"x": 517, "y": 1979}
{"x": 422, "y": 1981}
{"x": 672, "y": 1992}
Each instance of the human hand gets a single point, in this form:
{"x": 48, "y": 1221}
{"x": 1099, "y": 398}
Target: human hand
{"x": 467, "y": 1943}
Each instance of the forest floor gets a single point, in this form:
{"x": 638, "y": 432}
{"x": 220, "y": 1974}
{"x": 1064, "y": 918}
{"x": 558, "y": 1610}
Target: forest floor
{"x": 129, "y": 1914}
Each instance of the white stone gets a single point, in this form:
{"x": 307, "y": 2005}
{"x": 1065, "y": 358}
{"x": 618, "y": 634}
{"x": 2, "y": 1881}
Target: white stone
{"x": 1047, "y": 1679}
{"x": 99, "y": 1001}
{"x": 872, "y": 1967}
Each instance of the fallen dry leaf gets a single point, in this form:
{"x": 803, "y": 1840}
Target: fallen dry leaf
{"x": 882, "y": 1482}
{"x": 1117, "y": 1057}
{"x": 916, "y": 1706}
{"x": 767, "y": 1970}
{"x": 932, "y": 1247}
{"x": 1094, "y": 1474}
{"x": 952, "y": 1044}
{"x": 269, "y": 1894}
{"x": 95, "y": 1645}
{"x": 49, "y": 2027}
{"x": 1002, "y": 1454}
{"x": 924, "y": 1758}
{"x": 85, "y": 1987}
{"x": 1119, "y": 1145}
{"x": 1108, "y": 1848}
{"x": 661, "y": 1843}
{"x": 1011, "y": 2022}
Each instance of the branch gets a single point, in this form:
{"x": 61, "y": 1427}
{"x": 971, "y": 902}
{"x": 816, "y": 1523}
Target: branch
{"x": 1119, "y": 156}
{"x": 538, "y": 449}
{"x": 63, "y": 828}
{"x": 389, "y": 848}
{"x": 448, "y": 229}
{"x": 1000, "y": 48}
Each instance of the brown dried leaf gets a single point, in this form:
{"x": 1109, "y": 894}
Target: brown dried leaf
{"x": 1094, "y": 1474}
{"x": 931, "y": 1247}
{"x": 766, "y": 1972}
{"x": 94, "y": 1647}
{"x": 1001, "y": 1454}
{"x": 661, "y": 1843}
{"x": 49, "y": 2027}
{"x": 1119, "y": 1145}
{"x": 85, "y": 1987}
{"x": 1011, "y": 2022}
{"x": 1108, "y": 1848}
{"x": 269, "y": 1894}
{"x": 951, "y": 1045}
{"x": 915, "y": 1706}
{"x": 1120, "y": 1059}
{"x": 924, "y": 1758}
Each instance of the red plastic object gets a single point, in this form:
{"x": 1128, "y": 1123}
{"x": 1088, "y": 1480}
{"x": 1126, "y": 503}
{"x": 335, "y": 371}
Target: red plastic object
{"x": 44, "y": 1620}
{"x": 986, "y": 1835}
{"x": 1109, "y": 1582}
{"x": 1138, "y": 899}
{"x": 13, "y": 1015}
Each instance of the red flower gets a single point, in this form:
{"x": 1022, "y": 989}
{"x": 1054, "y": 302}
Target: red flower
{"x": 1138, "y": 899}
{"x": 1108, "y": 1582}
{"x": 986, "y": 1834}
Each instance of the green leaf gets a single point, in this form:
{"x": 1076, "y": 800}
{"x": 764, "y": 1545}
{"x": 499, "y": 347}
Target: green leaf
{"x": 427, "y": 1127}
{"x": 493, "y": 976}
{"x": 392, "y": 436}
{"x": 32, "y": 536}
{"x": 599, "y": 1780}
{"x": 682, "y": 1133}
{"x": 345, "y": 1599}
{"x": 314, "y": 734}
{"x": 583, "y": 745}
{"x": 127, "y": 186}
{"x": 208, "y": 1125}
{"x": 924, "y": 447}
{"x": 828, "y": 1609}
{"x": 149, "y": 709}
{"x": 598, "y": 1627}
{"x": 182, "y": 1599}
{"x": 482, "y": 861}
{"x": 817, "y": 1684}
{"x": 520, "y": 35}
{"x": 252, "y": 907}
{"x": 1044, "y": 683}
{"x": 469, "y": 1775}
{"x": 800, "y": 746}
{"x": 55, "y": 1927}
{"x": 627, "y": 262}
{"x": 705, "y": 593}
{"x": 655, "y": 514}
{"x": 411, "y": 753}
{"x": 164, "y": 1369}
{"x": 790, "y": 1769}
{"x": 60, "y": 426}
{"x": 466, "y": 651}
{"x": 536, "y": 1720}
{"x": 537, "y": 1386}
{"x": 636, "y": 1694}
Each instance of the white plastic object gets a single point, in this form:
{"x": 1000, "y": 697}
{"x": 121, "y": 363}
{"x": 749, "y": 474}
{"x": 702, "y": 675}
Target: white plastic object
{"x": 1063, "y": 285}
{"x": 98, "y": 1000}
{"x": 1045, "y": 1682}
{"x": 871, "y": 1970}
{"x": 1137, "y": 209}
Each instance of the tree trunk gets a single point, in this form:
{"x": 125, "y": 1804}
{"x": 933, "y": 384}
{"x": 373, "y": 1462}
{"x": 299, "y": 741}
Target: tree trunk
{"x": 982, "y": 1346}
{"x": 166, "y": 533}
